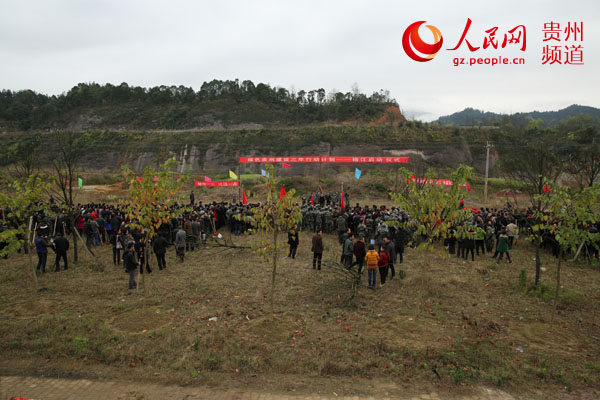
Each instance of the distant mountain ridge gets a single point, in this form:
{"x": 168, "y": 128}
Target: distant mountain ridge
{"x": 470, "y": 116}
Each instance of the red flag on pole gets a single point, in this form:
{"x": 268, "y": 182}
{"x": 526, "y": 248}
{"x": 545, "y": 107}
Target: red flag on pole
{"x": 342, "y": 201}
{"x": 286, "y": 165}
{"x": 282, "y": 192}
{"x": 244, "y": 198}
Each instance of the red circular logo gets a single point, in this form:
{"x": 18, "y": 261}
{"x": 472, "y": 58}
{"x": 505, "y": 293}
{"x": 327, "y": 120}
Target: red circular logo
{"x": 411, "y": 40}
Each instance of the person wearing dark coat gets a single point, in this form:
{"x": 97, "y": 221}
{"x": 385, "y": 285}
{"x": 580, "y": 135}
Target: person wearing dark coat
{"x": 348, "y": 251}
{"x": 317, "y": 249}
{"x": 469, "y": 244}
{"x": 391, "y": 249}
{"x": 342, "y": 227}
{"x": 160, "y": 249}
{"x": 60, "y": 245}
{"x": 131, "y": 265}
{"x": 399, "y": 242}
{"x": 360, "y": 251}
{"x": 293, "y": 241}
{"x": 89, "y": 233}
{"x": 41, "y": 247}
{"x": 141, "y": 250}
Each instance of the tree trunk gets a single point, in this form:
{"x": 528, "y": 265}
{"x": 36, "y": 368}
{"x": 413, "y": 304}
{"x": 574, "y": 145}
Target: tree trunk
{"x": 29, "y": 250}
{"x": 147, "y": 262}
{"x": 578, "y": 252}
{"x": 89, "y": 253}
{"x": 28, "y": 247}
{"x": 74, "y": 240}
{"x": 355, "y": 285}
{"x": 274, "y": 269}
{"x": 73, "y": 229}
{"x": 538, "y": 263}
{"x": 560, "y": 256}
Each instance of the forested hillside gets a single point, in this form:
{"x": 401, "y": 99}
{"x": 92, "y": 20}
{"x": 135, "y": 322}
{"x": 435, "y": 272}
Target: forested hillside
{"x": 470, "y": 116}
{"x": 90, "y": 105}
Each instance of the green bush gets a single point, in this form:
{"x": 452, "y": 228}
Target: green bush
{"x": 377, "y": 187}
{"x": 523, "y": 279}
{"x": 80, "y": 344}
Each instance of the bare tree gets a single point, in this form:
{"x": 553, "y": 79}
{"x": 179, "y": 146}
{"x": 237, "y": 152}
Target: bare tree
{"x": 64, "y": 165}
{"x": 531, "y": 157}
{"x": 26, "y": 156}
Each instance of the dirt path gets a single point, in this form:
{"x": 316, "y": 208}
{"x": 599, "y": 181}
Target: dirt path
{"x": 84, "y": 389}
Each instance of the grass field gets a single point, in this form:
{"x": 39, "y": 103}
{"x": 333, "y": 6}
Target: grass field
{"x": 473, "y": 322}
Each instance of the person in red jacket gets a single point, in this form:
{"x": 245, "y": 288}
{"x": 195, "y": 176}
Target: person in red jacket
{"x": 383, "y": 263}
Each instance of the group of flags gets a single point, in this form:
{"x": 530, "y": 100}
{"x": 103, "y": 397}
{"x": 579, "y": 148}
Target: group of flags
{"x": 282, "y": 191}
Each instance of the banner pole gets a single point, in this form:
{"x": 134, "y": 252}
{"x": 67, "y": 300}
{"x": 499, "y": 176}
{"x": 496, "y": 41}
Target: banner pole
{"x": 319, "y": 181}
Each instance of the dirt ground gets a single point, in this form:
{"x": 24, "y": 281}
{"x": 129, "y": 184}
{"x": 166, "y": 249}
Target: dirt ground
{"x": 93, "y": 389}
{"x": 451, "y": 327}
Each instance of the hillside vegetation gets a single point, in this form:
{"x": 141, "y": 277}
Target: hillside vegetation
{"x": 178, "y": 107}
{"x": 470, "y": 116}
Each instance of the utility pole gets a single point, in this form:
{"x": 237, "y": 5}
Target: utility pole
{"x": 488, "y": 146}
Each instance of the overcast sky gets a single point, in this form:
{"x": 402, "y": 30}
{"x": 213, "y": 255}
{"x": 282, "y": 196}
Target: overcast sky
{"x": 50, "y": 46}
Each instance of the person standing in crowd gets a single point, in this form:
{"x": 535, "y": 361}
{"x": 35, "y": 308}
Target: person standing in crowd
{"x": 160, "y": 249}
{"x": 511, "y": 232}
{"x": 192, "y": 198}
{"x": 490, "y": 235}
{"x": 60, "y": 245}
{"x": 360, "y": 252}
{"x": 399, "y": 242}
{"x": 450, "y": 240}
{"x": 141, "y": 251}
{"x": 117, "y": 246}
{"x": 372, "y": 259}
{"x": 89, "y": 233}
{"x": 469, "y": 244}
{"x": 341, "y": 228}
{"x": 189, "y": 231}
{"x": 41, "y": 247}
{"x": 131, "y": 265}
{"x": 348, "y": 251}
{"x": 80, "y": 225}
{"x": 317, "y": 249}
{"x": 391, "y": 250}
{"x": 101, "y": 228}
{"x": 95, "y": 232}
{"x": 503, "y": 247}
{"x": 479, "y": 240}
{"x": 383, "y": 263}
{"x": 293, "y": 241}
{"x": 460, "y": 244}
{"x": 180, "y": 241}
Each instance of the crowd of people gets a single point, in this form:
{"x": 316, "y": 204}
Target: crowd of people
{"x": 375, "y": 235}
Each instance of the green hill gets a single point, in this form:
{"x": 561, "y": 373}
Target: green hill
{"x": 470, "y": 116}
{"x": 217, "y": 103}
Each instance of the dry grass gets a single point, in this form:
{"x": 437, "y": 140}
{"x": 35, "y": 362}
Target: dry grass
{"x": 464, "y": 319}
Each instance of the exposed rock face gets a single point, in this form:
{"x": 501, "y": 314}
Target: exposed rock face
{"x": 222, "y": 157}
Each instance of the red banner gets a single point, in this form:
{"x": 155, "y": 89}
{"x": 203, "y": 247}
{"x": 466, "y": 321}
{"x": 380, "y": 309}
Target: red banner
{"x": 323, "y": 160}
{"x": 444, "y": 182}
{"x": 217, "y": 183}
